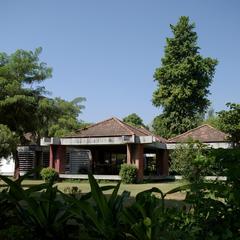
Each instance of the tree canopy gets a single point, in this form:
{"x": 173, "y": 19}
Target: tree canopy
{"x": 65, "y": 119}
{"x": 182, "y": 80}
{"x": 24, "y": 105}
{"x": 134, "y": 120}
{"x": 20, "y": 94}
{"x": 23, "y": 102}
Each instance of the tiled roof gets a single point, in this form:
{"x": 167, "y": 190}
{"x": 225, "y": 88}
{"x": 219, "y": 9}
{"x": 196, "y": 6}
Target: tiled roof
{"x": 204, "y": 133}
{"x": 109, "y": 128}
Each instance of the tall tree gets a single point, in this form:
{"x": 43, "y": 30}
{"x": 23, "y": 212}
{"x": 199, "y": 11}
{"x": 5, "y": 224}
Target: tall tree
{"x": 134, "y": 120}
{"x": 24, "y": 107}
{"x": 229, "y": 121}
{"x": 183, "y": 80}
{"x": 20, "y": 74}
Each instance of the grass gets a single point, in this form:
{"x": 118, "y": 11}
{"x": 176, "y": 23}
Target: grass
{"x": 134, "y": 189}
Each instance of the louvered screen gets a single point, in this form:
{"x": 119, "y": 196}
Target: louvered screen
{"x": 45, "y": 159}
{"x": 26, "y": 160}
{"x": 79, "y": 162}
{"x": 67, "y": 165}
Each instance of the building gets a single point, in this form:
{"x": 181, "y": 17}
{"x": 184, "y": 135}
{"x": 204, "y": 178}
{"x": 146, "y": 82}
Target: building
{"x": 103, "y": 147}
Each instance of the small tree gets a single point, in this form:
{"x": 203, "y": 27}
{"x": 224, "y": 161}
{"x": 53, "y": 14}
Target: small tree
{"x": 229, "y": 121}
{"x": 191, "y": 160}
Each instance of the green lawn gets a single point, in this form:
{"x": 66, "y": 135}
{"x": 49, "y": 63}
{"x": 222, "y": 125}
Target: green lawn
{"x": 134, "y": 189}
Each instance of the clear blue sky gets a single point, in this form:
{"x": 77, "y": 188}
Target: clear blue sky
{"x": 107, "y": 50}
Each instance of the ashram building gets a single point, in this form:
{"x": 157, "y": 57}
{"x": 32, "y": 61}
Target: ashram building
{"x": 102, "y": 148}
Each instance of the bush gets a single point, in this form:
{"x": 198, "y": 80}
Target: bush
{"x": 128, "y": 173}
{"x": 192, "y": 160}
{"x": 210, "y": 211}
{"x": 48, "y": 174}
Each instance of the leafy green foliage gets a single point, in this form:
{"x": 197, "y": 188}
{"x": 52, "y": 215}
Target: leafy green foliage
{"x": 8, "y": 141}
{"x": 20, "y": 74}
{"x": 209, "y": 216}
{"x": 49, "y": 174}
{"x": 134, "y": 120}
{"x": 149, "y": 218}
{"x": 191, "y": 160}
{"x": 210, "y": 211}
{"x": 24, "y": 104}
{"x": 183, "y": 81}
{"x": 60, "y": 117}
{"x": 164, "y": 127}
{"x": 20, "y": 93}
{"x": 128, "y": 173}
{"x": 229, "y": 160}
{"x": 144, "y": 215}
{"x": 38, "y": 208}
{"x": 215, "y": 205}
{"x": 100, "y": 215}
{"x": 21, "y": 98}
{"x": 230, "y": 122}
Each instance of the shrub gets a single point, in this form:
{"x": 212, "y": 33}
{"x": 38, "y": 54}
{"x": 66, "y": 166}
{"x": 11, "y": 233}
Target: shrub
{"x": 192, "y": 160}
{"x": 128, "y": 173}
{"x": 48, "y": 174}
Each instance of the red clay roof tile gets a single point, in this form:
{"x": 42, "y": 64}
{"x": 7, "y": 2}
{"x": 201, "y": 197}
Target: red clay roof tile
{"x": 112, "y": 127}
{"x": 203, "y": 133}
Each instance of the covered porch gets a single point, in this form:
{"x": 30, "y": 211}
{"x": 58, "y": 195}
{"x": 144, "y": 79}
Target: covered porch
{"x": 107, "y": 159}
